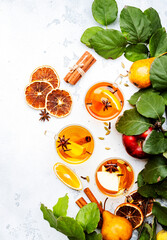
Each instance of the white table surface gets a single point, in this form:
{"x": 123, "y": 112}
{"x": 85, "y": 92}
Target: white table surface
{"x": 35, "y": 33}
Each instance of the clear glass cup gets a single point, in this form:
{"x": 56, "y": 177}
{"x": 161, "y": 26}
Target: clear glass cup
{"x": 104, "y": 101}
{"x": 114, "y": 177}
{"x": 74, "y": 144}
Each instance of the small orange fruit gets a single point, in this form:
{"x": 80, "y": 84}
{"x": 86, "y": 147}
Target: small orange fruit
{"x": 36, "y": 93}
{"x": 58, "y": 103}
{"x": 137, "y": 199}
{"x": 46, "y": 73}
{"x": 131, "y": 212}
{"x": 67, "y": 176}
{"x": 139, "y": 73}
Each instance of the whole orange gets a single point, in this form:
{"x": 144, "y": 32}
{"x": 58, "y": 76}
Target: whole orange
{"x": 139, "y": 73}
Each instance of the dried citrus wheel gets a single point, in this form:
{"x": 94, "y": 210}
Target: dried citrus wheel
{"x": 67, "y": 176}
{"x": 131, "y": 212}
{"x": 58, "y": 103}
{"x": 46, "y": 73}
{"x": 36, "y": 94}
{"x": 142, "y": 202}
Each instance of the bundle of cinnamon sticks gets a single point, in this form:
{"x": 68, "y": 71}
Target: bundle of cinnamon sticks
{"x": 80, "y": 68}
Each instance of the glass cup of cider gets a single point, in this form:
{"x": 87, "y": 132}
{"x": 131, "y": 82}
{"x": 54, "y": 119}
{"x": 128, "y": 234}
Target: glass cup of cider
{"x": 104, "y": 101}
{"x": 114, "y": 177}
{"x": 74, "y": 144}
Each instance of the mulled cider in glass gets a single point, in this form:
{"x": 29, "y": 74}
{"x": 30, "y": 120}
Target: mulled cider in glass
{"x": 74, "y": 144}
{"x": 104, "y": 101}
{"x": 114, "y": 177}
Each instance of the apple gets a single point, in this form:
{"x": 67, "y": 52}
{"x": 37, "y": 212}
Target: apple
{"x": 134, "y": 144}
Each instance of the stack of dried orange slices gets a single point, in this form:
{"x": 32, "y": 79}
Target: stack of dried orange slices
{"x": 43, "y": 93}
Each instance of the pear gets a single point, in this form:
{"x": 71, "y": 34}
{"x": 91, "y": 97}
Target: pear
{"x": 139, "y": 73}
{"x": 115, "y": 227}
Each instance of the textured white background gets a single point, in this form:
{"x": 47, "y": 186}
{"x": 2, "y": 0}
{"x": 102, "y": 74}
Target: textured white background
{"x": 34, "y": 33}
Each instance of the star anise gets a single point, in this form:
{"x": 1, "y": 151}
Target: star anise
{"x": 111, "y": 167}
{"x": 44, "y": 115}
{"x": 63, "y": 143}
{"x": 107, "y": 104}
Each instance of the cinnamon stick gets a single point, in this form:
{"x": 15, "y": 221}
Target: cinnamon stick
{"x": 81, "y": 202}
{"x": 84, "y": 63}
{"x": 83, "y": 140}
{"x": 92, "y": 198}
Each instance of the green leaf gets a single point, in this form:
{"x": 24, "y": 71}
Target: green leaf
{"x": 161, "y": 189}
{"x": 164, "y": 95}
{"x": 158, "y": 73}
{"x": 88, "y": 217}
{"x": 160, "y": 213}
{"x": 145, "y": 234}
{"x": 109, "y": 43}
{"x": 134, "y": 98}
{"x": 60, "y": 209}
{"x": 71, "y": 228}
{"x": 140, "y": 179}
{"x": 154, "y": 19}
{"x": 165, "y": 154}
{"x": 88, "y": 34}
{"x": 132, "y": 123}
{"x": 155, "y": 170}
{"x": 134, "y": 25}
{"x": 94, "y": 236}
{"x": 155, "y": 143}
{"x": 154, "y": 226}
{"x": 49, "y": 216}
{"x": 151, "y": 105}
{"x": 158, "y": 43}
{"x": 104, "y": 12}
{"x": 136, "y": 52}
{"x": 148, "y": 190}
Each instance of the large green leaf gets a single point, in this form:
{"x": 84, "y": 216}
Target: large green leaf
{"x": 160, "y": 213}
{"x": 71, "y": 228}
{"x": 155, "y": 169}
{"x": 136, "y": 52}
{"x": 134, "y": 25}
{"x": 88, "y": 217}
{"x": 88, "y": 34}
{"x": 144, "y": 234}
{"x": 151, "y": 105}
{"x": 154, "y": 18}
{"x": 60, "y": 209}
{"x": 49, "y": 216}
{"x": 148, "y": 190}
{"x": 104, "y": 12}
{"x": 109, "y": 43}
{"x": 158, "y": 73}
{"x": 161, "y": 189}
{"x": 164, "y": 95}
{"x": 156, "y": 143}
{"x": 158, "y": 43}
{"x": 134, "y": 98}
{"x": 132, "y": 123}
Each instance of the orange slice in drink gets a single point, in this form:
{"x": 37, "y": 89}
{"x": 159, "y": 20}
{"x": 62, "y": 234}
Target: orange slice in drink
{"x": 106, "y": 94}
{"x": 67, "y": 176}
{"x": 46, "y": 73}
{"x": 36, "y": 93}
{"x": 131, "y": 212}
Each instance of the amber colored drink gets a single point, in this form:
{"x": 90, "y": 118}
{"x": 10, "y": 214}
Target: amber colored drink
{"x": 104, "y": 101}
{"x": 114, "y": 177}
{"x": 74, "y": 144}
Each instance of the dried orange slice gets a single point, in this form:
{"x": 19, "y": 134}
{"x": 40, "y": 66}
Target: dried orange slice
{"x": 67, "y": 176}
{"x": 59, "y": 103}
{"x": 36, "y": 93}
{"x": 46, "y": 73}
{"x": 137, "y": 199}
{"x": 131, "y": 212}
